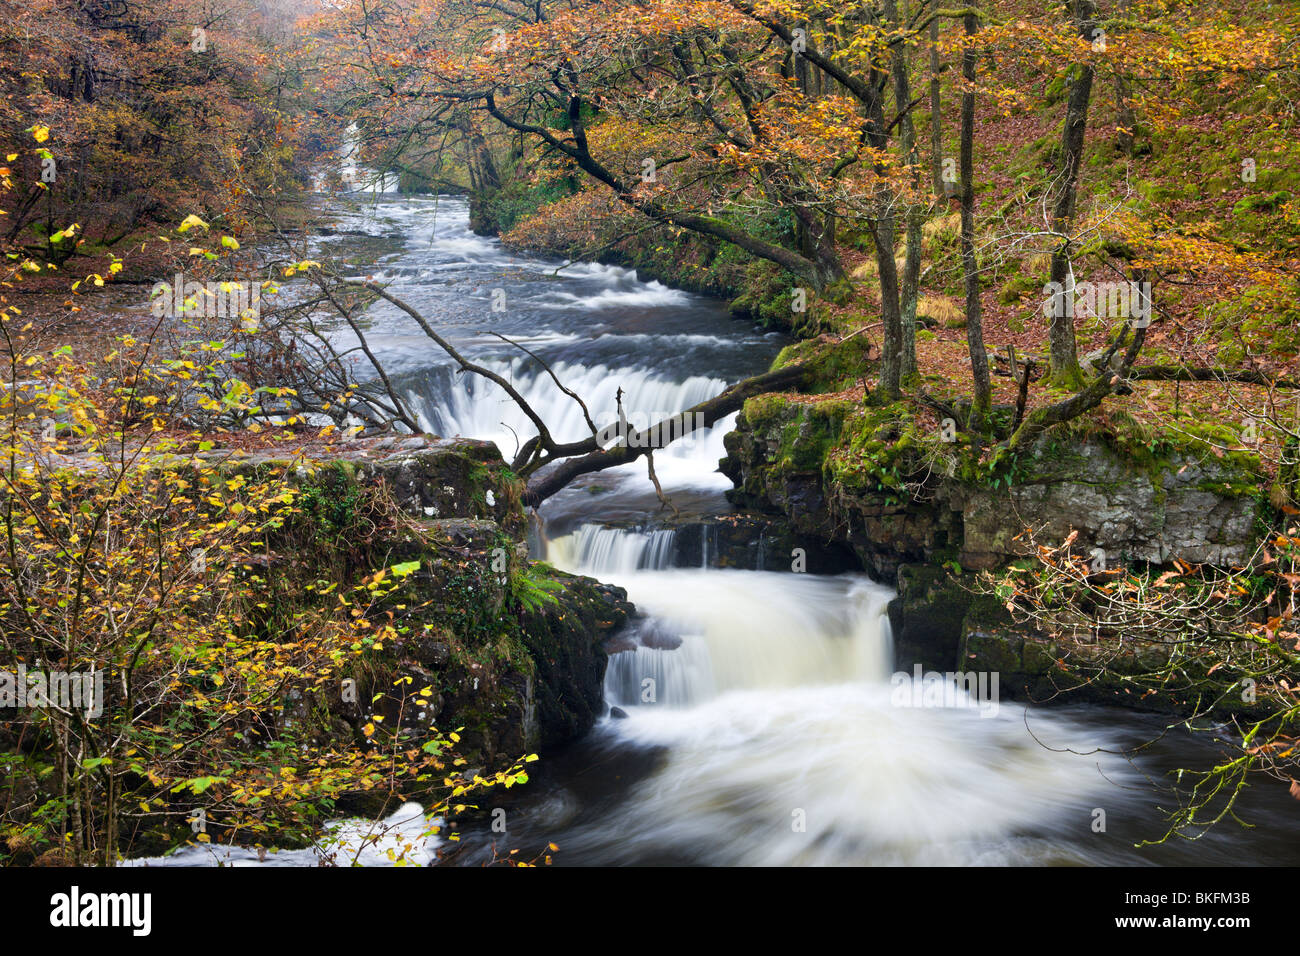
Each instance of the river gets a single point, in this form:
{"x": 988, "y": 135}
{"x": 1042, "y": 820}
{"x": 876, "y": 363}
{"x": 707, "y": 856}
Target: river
{"x": 760, "y": 725}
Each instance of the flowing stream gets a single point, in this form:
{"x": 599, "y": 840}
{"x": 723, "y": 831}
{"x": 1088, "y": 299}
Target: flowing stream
{"x": 761, "y": 726}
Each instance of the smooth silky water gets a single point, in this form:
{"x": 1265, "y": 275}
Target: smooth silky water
{"x": 761, "y": 726}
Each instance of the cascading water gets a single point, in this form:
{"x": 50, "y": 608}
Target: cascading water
{"x": 612, "y": 550}
{"x": 768, "y": 698}
{"x": 761, "y": 722}
{"x": 481, "y": 409}
{"x": 353, "y": 176}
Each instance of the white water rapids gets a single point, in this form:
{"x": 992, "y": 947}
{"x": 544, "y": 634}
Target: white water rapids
{"x": 761, "y": 726}
{"x": 781, "y": 742}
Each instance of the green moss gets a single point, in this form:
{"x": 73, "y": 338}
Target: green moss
{"x": 332, "y": 503}
{"x": 1269, "y": 203}
{"x": 882, "y": 446}
{"x": 1067, "y": 379}
{"x": 766, "y": 296}
{"x": 1019, "y": 288}
{"x": 763, "y": 410}
{"x": 835, "y": 366}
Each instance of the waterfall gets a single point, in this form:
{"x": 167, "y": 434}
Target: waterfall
{"x": 473, "y": 406}
{"x": 767, "y": 696}
{"x": 832, "y": 774}
{"x": 748, "y": 630}
{"x": 725, "y": 629}
{"x": 354, "y": 176}
{"x": 596, "y": 550}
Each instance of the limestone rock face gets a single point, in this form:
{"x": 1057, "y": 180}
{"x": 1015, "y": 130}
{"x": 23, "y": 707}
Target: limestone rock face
{"x": 1131, "y": 515}
{"x": 1195, "y": 508}
{"x": 426, "y": 477}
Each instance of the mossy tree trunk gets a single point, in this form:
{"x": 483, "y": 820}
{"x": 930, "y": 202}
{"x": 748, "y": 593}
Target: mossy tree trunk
{"x": 891, "y": 359}
{"x": 979, "y": 360}
{"x": 907, "y": 142}
{"x": 1064, "y": 354}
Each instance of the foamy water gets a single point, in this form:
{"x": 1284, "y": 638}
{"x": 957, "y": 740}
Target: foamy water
{"x": 404, "y": 837}
{"x": 782, "y": 741}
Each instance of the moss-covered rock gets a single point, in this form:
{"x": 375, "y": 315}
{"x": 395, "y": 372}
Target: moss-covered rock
{"x": 512, "y": 650}
{"x": 927, "y": 616}
{"x": 565, "y": 642}
{"x": 875, "y": 479}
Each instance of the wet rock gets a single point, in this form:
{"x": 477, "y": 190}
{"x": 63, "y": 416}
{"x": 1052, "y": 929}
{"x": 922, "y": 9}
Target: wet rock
{"x": 434, "y": 653}
{"x": 566, "y": 642}
{"x": 754, "y": 542}
{"x": 654, "y": 635}
{"x": 620, "y": 643}
{"x": 1198, "y": 511}
{"x": 427, "y": 477}
{"x": 475, "y": 534}
{"x": 1082, "y": 666}
{"x": 927, "y": 616}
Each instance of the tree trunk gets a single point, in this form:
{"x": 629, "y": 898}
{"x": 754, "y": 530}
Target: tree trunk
{"x": 1064, "y": 354}
{"x": 891, "y": 360}
{"x": 1126, "y": 134}
{"x": 907, "y": 140}
{"x": 910, "y": 291}
{"x": 979, "y": 360}
{"x": 936, "y": 119}
{"x": 488, "y": 176}
{"x": 1081, "y": 401}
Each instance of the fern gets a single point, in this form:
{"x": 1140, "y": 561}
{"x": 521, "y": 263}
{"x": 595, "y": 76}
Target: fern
{"x": 534, "y": 588}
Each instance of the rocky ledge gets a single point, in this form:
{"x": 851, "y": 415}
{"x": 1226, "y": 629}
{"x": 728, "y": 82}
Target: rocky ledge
{"x": 1194, "y": 507}
{"x": 513, "y": 649}
{"x": 926, "y": 532}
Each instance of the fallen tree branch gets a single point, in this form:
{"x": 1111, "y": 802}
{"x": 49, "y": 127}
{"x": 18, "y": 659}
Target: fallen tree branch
{"x": 1087, "y": 398}
{"x": 664, "y": 501}
{"x": 638, "y": 443}
{"x": 544, "y": 438}
{"x": 1181, "y": 373}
